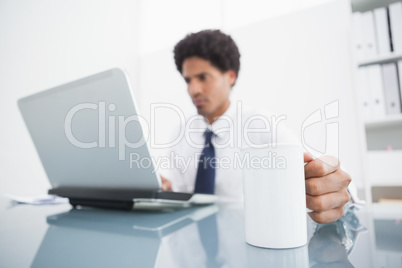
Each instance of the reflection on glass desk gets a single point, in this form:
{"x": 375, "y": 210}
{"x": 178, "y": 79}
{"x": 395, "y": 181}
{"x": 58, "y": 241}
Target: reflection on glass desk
{"x": 210, "y": 236}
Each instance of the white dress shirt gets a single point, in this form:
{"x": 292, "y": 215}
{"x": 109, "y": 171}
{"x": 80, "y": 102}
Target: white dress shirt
{"x": 238, "y": 127}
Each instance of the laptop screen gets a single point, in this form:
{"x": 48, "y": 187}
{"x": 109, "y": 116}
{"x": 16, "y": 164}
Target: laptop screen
{"x": 88, "y": 134}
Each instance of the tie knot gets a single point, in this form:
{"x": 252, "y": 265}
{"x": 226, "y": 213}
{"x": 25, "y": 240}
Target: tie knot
{"x": 208, "y": 136}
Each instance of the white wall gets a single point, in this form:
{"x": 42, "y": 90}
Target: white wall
{"x": 45, "y": 43}
{"x": 299, "y": 63}
{"x": 163, "y": 23}
{"x": 294, "y": 62}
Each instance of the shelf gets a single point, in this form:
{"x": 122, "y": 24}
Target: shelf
{"x": 384, "y": 168}
{"x": 392, "y": 57}
{"x": 366, "y": 5}
{"x": 390, "y": 120}
{"x": 391, "y": 191}
{"x": 386, "y": 211}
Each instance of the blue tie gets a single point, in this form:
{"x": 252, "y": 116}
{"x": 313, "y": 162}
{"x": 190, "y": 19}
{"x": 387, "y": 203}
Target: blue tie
{"x": 205, "y": 180}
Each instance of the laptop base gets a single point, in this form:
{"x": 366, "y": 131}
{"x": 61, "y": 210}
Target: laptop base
{"x": 120, "y": 199}
{"x": 116, "y": 205}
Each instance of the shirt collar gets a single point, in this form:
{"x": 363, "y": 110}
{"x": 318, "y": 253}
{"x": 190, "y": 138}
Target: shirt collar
{"x": 224, "y": 122}
{"x": 221, "y": 125}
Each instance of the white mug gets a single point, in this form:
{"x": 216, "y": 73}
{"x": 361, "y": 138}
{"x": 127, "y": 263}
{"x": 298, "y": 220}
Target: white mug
{"x": 293, "y": 257}
{"x": 274, "y": 196}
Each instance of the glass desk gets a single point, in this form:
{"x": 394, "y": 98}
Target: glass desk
{"x": 212, "y": 236}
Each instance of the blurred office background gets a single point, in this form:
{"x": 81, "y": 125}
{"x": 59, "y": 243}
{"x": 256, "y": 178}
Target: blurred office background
{"x": 297, "y": 58}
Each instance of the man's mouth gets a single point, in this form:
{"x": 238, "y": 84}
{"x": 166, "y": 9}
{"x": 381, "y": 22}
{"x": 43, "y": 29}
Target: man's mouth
{"x": 199, "y": 103}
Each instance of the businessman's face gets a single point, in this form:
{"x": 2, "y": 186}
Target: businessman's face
{"x": 208, "y": 87}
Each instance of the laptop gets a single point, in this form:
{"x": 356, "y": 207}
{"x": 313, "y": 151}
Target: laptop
{"x": 90, "y": 139}
{"x": 95, "y": 238}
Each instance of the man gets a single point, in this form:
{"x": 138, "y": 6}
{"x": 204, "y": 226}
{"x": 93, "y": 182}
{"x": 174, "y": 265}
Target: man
{"x": 209, "y": 62}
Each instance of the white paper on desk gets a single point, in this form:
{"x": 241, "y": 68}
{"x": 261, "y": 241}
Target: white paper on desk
{"x": 38, "y": 199}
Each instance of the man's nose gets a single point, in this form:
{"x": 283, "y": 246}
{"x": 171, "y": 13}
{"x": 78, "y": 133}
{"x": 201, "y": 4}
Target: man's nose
{"x": 194, "y": 88}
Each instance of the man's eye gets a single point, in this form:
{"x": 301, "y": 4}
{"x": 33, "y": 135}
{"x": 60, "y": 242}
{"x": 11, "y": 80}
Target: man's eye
{"x": 187, "y": 80}
{"x": 203, "y": 77}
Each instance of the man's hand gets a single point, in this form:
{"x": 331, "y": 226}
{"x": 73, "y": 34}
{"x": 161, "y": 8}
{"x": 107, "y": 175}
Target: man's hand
{"x": 166, "y": 185}
{"x": 326, "y": 188}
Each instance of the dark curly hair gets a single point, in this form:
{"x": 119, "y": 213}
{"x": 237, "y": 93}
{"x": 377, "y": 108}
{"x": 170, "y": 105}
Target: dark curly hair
{"x": 212, "y": 45}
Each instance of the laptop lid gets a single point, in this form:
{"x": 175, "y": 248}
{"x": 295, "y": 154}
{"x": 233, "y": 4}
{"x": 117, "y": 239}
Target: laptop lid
{"x": 88, "y": 134}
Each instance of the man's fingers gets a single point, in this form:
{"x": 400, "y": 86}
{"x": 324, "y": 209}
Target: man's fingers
{"x": 321, "y": 166}
{"x": 327, "y": 216}
{"x": 328, "y": 184}
{"x": 307, "y": 157}
{"x": 327, "y": 202}
{"x": 166, "y": 185}
{"x": 326, "y": 189}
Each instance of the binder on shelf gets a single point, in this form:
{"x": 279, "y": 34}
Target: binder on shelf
{"x": 368, "y": 32}
{"x": 377, "y": 100}
{"x": 363, "y": 93}
{"x": 391, "y": 88}
{"x": 382, "y": 31}
{"x": 400, "y": 78}
{"x": 395, "y": 17}
{"x": 358, "y": 35}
